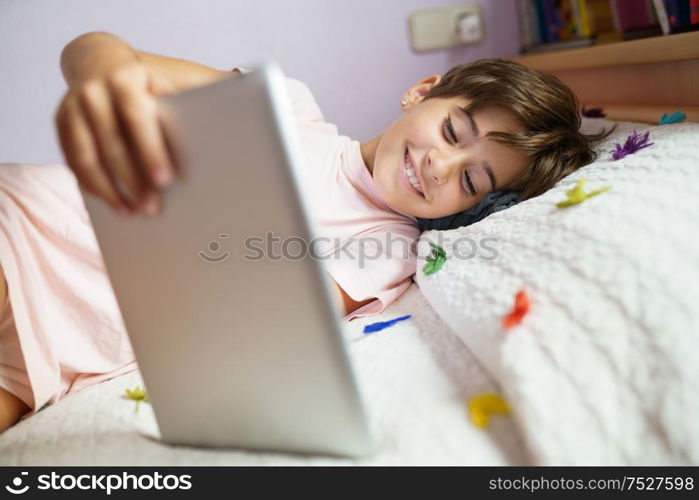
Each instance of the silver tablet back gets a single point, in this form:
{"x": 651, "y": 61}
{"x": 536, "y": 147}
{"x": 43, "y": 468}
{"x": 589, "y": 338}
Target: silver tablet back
{"x": 236, "y": 349}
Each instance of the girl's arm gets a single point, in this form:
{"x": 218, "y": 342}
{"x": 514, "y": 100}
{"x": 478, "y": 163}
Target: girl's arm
{"x": 95, "y": 52}
{"x": 108, "y": 122}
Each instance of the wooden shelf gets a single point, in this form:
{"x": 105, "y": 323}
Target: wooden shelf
{"x": 644, "y": 114}
{"x": 678, "y": 47}
{"x": 634, "y": 80}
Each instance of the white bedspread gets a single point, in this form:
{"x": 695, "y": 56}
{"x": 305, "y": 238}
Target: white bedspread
{"x": 604, "y": 369}
{"x": 415, "y": 377}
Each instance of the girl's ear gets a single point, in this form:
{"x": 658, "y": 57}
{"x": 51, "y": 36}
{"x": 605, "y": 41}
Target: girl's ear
{"x": 417, "y": 92}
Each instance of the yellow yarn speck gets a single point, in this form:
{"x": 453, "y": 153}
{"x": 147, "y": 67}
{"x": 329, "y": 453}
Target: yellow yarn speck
{"x": 577, "y": 194}
{"x": 481, "y": 406}
{"x": 137, "y": 394}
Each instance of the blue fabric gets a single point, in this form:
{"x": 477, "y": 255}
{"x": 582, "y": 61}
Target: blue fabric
{"x": 491, "y": 203}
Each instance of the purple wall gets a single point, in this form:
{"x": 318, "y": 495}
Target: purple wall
{"x": 354, "y": 55}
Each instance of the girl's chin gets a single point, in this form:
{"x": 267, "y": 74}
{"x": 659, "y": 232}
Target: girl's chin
{"x": 400, "y": 206}
{"x": 408, "y": 209}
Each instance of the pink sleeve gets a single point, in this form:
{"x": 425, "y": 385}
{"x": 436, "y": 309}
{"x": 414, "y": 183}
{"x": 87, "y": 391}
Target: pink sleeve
{"x": 379, "y": 264}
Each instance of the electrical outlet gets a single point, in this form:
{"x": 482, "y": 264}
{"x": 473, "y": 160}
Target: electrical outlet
{"x": 448, "y": 26}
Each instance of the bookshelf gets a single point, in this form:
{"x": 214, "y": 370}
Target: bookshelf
{"x": 678, "y": 47}
{"x": 634, "y": 80}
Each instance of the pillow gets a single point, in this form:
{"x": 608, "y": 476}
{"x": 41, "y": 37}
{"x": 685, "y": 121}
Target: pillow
{"x": 491, "y": 203}
{"x": 604, "y": 367}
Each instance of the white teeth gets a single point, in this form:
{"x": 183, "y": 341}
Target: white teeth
{"x": 411, "y": 173}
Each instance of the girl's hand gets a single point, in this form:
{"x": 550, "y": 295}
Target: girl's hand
{"x": 111, "y": 136}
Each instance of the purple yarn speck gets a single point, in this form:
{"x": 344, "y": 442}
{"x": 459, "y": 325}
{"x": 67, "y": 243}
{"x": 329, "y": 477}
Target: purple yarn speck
{"x": 633, "y": 143}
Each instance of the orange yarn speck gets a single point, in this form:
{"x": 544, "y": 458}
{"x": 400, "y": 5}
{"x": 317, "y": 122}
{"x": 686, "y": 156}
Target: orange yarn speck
{"x": 520, "y": 309}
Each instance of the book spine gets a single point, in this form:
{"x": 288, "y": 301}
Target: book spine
{"x": 662, "y": 16}
{"x": 584, "y": 16}
{"x": 694, "y": 11}
{"x": 684, "y": 12}
{"x": 569, "y": 29}
{"x": 576, "y": 20}
{"x": 674, "y": 8}
{"x": 525, "y": 34}
{"x": 534, "y": 21}
{"x": 649, "y": 14}
{"x": 615, "y": 15}
{"x": 543, "y": 32}
{"x": 631, "y": 14}
{"x": 552, "y": 20}
{"x": 600, "y": 16}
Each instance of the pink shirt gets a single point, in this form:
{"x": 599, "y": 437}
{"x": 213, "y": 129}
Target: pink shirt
{"x": 367, "y": 247}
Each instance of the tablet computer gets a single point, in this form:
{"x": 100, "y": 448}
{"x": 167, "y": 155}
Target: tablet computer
{"x": 236, "y": 348}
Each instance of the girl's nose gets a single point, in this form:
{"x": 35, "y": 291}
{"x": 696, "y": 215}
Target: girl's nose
{"x": 440, "y": 165}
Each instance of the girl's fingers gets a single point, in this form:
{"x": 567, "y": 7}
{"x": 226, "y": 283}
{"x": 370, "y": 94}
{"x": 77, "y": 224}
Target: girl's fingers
{"x": 138, "y": 112}
{"x": 81, "y": 154}
{"x": 114, "y": 155}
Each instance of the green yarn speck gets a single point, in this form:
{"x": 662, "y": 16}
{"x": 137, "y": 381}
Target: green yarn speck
{"x": 436, "y": 260}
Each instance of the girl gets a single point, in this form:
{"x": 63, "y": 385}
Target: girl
{"x": 483, "y": 129}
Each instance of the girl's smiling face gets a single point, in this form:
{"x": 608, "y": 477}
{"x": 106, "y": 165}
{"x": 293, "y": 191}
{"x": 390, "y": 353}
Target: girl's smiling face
{"x": 435, "y": 161}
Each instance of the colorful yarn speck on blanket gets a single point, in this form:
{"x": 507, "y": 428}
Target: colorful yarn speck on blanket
{"x": 137, "y": 394}
{"x": 634, "y": 142}
{"x": 436, "y": 260}
{"x": 577, "y": 194}
{"x": 518, "y": 312}
{"x": 482, "y": 406}
{"x": 380, "y": 325}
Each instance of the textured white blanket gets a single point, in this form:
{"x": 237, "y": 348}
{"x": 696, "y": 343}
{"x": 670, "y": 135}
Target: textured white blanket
{"x": 604, "y": 368}
{"x": 415, "y": 377}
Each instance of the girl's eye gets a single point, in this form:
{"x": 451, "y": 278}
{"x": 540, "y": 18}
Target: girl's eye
{"x": 451, "y": 135}
{"x": 471, "y": 189}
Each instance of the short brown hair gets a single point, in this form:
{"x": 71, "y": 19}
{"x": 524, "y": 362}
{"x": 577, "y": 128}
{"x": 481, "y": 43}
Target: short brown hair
{"x": 545, "y": 107}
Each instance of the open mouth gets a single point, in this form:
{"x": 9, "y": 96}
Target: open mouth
{"x": 411, "y": 174}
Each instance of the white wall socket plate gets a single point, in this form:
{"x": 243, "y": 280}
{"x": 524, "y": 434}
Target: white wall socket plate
{"x": 448, "y": 26}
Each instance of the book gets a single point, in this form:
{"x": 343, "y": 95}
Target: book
{"x": 568, "y": 28}
{"x": 541, "y": 21}
{"x": 582, "y": 15}
{"x": 529, "y": 28}
{"x": 661, "y": 13}
{"x": 549, "y": 16}
{"x": 597, "y": 14}
{"x": 694, "y": 11}
{"x": 678, "y": 15}
{"x": 632, "y": 14}
{"x": 578, "y": 19}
